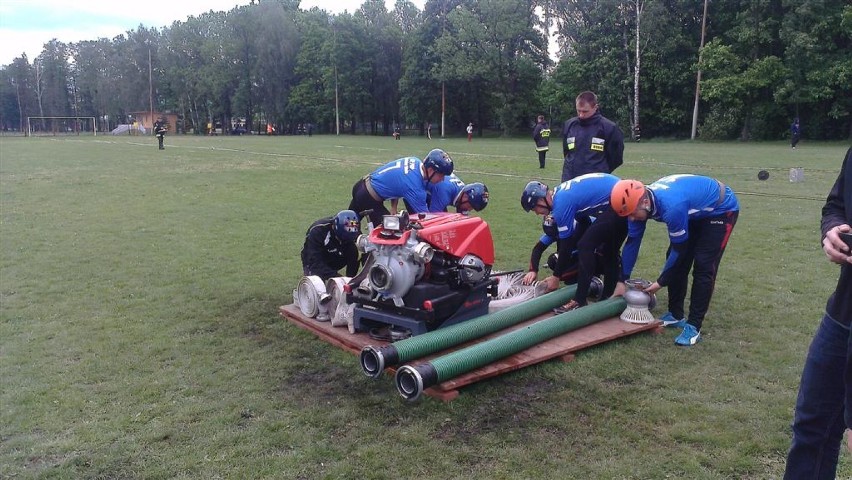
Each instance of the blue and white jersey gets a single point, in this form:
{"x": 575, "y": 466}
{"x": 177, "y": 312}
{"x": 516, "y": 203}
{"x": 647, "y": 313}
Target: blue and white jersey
{"x": 581, "y": 197}
{"x": 443, "y": 194}
{"x": 678, "y": 199}
{"x": 402, "y": 178}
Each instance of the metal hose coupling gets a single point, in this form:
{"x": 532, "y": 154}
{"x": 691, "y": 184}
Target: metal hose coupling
{"x": 411, "y": 381}
{"x": 374, "y": 359}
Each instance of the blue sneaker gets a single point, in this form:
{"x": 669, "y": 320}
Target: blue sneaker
{"x": 670, "y": 321}
{"x": 688, "y": 337}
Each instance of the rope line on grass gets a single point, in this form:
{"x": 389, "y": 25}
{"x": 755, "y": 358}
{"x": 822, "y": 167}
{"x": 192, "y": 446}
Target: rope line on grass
{"x": 506, "y": 175}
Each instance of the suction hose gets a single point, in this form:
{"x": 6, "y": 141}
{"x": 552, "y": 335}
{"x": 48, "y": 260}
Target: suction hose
{"x": 374, "y": 360}
{"x": 412, "y": 380}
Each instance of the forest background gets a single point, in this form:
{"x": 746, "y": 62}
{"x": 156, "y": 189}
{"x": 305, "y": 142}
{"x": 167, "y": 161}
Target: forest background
{"x": 763, "y": 62}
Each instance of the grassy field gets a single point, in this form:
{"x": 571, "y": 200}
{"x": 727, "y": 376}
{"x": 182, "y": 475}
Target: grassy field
{"x": 140, "y": 335}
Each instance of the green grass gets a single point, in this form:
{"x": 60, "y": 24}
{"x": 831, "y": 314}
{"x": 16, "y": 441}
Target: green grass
{"x": 140, "y": 335}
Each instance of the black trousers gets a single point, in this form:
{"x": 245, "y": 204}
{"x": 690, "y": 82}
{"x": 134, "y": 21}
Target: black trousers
{"x": 541, "y": 156}
{"x": 708, "y": 238}
{"x": 363, "y": 201}
{"x": 605, "y": 236}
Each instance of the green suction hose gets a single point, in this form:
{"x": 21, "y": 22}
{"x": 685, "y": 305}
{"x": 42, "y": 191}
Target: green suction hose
{"x": 375, "y": 359}
{"x": 412, "y": 380}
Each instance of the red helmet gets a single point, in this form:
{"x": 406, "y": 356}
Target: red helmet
{"x": 625, "y": 196}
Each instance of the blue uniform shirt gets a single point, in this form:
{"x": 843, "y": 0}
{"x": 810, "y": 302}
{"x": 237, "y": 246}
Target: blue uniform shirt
{"x": 677, "y": 200}
{"x": 402, "y": 178}
{"x": 581, "y": 197}
{"x": 444, "y": 193}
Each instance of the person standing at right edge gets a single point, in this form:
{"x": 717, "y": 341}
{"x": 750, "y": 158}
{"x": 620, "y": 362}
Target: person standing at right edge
{"x": 818, "y": 422}
{"x": 591, "y": 143}
{"x": 541, "y": 137}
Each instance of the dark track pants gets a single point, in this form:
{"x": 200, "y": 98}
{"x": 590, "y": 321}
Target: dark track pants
{"x": 605, "y": 235}
{"x": 708, "y": 238}
{"x": 363, "y": 201}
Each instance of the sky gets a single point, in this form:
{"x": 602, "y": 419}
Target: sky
{"x": 26, "y": 25}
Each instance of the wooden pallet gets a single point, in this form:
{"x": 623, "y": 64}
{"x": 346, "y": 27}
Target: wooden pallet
{"x": 563, "y": 347}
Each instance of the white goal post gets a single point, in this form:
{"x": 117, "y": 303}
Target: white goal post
{"x": 41, "y": 126}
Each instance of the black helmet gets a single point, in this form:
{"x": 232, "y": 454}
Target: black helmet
{"x": 533, "y": 192}
{"x": 438, "y": 160}
{"x": 477, "y": 196}
{"x": 347, "y": 226}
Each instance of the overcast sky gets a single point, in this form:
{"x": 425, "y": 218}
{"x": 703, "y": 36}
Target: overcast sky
{"x": 26, "y": 25}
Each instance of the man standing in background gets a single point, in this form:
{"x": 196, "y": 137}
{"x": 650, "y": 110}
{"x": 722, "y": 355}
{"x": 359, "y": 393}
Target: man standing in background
{"x": 795, "y": 133}
{"x": 541, "y": 137}
{"x": 160, "y": 130}
{"x": 591, "y": 142}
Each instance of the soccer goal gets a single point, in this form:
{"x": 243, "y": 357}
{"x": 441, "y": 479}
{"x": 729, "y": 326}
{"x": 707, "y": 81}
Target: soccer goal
{"x": 42, "y": 126}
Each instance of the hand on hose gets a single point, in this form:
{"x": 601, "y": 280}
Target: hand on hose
{"x": 620, "y": 289}
{"x": 529, "y": 278}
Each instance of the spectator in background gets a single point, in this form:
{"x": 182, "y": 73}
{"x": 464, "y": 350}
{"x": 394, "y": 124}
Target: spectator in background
{"x": 541, "y": 137}
{"x": 160, "y": 130}
{"x": 591, "y": 142}
{"x": 470, "y": 131}
{"x": 795, "y": 133}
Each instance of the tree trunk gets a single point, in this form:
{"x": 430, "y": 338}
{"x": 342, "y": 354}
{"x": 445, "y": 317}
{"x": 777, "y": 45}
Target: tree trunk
{"x": 636, "y": 70}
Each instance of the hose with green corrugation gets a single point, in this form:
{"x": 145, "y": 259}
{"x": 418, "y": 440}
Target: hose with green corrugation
{"x": 412, "y": 380}
{"x": 375, "y": 359}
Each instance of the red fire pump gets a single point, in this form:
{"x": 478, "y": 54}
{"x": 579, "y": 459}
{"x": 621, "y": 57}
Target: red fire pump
{"x": 423, "y": 272}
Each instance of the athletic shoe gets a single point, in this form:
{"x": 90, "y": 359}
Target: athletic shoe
{"x": 688, "y": 337}
{"x": 571, "y": 305}
{"x": 670, "y": 321}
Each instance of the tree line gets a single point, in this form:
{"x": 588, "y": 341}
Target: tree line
{"x": 763, "y": 62}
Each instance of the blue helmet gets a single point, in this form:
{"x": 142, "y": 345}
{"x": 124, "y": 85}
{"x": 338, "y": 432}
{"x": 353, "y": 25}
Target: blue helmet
{"x": 477, "y": 196}
{"x": 438, "y": 160}
{"x": 549, "y": 226}
{"x": 533, "y": 192}
{"x": 347, "y": 226}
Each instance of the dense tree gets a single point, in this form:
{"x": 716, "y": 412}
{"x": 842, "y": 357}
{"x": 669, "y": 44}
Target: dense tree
{"x": 460, "y": 61}
{"x": 312, "y": 96}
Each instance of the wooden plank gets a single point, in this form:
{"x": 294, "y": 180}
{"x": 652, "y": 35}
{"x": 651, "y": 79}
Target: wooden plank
{"x": 564, "y": 346}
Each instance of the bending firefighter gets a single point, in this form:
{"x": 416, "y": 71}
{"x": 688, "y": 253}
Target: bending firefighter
{"x": 453, "y": 191}
{"x": 330, "y": 246}
{"x": 584, "y": 221}
{"x": 406, "y": 178}
{"x": 700, "y": 214}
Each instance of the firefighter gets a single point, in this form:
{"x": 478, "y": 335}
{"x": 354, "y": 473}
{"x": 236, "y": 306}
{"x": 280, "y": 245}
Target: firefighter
{"x": 406, "y": 178}
{"x": 453, "y": 191}
{"x": 330, "y": 246}
{"x": 160, "y": 130}
{"x": 580, "y": 209}
{"x": 700, "y": 214}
